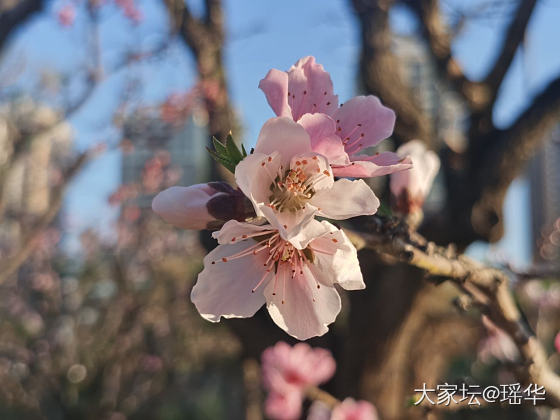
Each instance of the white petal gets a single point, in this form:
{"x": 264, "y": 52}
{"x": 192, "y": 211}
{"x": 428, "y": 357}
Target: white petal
{"x": 255, "y": 174}
{"x": 311, "y": 230}
{"x": 234, "y": 231}
{"x": 346, "y": 199}
{"x": 307, "y": 310}
{"x": 336, "y": 260}
{"x": 284, "y": 136}
{"x": 224, "y": 288}
{"x": 289, "y": 224}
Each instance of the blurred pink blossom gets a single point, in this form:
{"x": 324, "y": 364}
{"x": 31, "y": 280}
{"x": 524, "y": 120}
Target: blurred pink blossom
{"x": 66, "y": 15}
{"x": 557, "y": 342}
{"x": 350, "y": 409}
{"x": 287, "y": 371}
{"x": 410, "y": 188}
{"x": 305, "y": 94}
{"x": 284, "y": 406}
{"x": 496, "y": 345}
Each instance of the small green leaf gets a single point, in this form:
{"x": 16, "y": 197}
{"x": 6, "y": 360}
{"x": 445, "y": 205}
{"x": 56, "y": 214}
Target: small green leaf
{"x": 232, "y": 149}
{"x": 228, "y": 153}
{"x": 219, "y": 146}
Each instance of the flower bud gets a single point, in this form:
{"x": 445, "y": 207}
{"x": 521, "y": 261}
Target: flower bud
{"x": 202, "y": 206}
{"x": 186, "y": 207}
{"x": 409, "y": 188}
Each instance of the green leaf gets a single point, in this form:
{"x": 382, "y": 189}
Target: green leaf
{"x": 233, "y": 151}
{"x": 228, "y": 153}
{"x": 218, "y": 146}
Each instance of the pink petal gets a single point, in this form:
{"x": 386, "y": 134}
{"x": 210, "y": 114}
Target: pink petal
{"x": 364, "y": 166}
{"x": 225, "y": 288}
{"x": 336, "y": 260}
{"x": 307, "y": 310}
{"x": 184, "y": 207}
{"x": 557, "y": 342}
{"x": 324, "y": 140}
{"x": 346, "y": 199}
{"x": 284, "y": 136}
{"x": 310, "y": 89}
{"x": 275, "y": 88}
{"x": 363, "y": 122}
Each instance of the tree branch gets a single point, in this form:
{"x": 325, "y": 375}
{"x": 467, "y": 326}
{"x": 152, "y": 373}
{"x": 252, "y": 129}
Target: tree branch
{"x": 439, "y": 41}
{"x": 487, "y": 287}
{"x": 205, "y": 39}
{"x": 513, "y": 38}
{"x": 506, "y": 154}
{"x": 12, "y": 18}
{"x": 379, "y": 71}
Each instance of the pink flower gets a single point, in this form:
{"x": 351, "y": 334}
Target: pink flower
{"x": 287, "y": 371}
{"x": 305, "y": 94}
{"x": 66, "y": 15}
{"x": 186, "y": 207}
{"x": 285, "y": 367}
{"x": 410, "y": 188}
{"x": 254, "y": 265}
{"x": 557, "y": 342}
{"x": 288, "y": 183}
{"x": 350, "y": 409}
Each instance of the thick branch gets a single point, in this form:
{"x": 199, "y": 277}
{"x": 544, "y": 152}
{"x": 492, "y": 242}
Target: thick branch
{"x": 12, "y": 18}
{"x": 506, "y": 154}
{"x": 379, "y": 70}
{"x": 487, "y": 287}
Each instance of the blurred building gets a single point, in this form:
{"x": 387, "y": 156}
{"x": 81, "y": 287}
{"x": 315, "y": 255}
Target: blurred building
{"x": 178, "y": 145}
{"x": 440, "y": 102}
{"x": 544, "y": 178}
{"x": 27, "y": 177}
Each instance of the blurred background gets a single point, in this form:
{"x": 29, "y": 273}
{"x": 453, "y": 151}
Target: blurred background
{"x": 104, "y": 103}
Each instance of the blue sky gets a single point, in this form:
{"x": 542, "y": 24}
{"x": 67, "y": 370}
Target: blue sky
{"x": 265, "y": 34}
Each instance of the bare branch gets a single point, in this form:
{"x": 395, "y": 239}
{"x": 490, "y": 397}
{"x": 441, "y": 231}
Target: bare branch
{"x": 488, "y": 288}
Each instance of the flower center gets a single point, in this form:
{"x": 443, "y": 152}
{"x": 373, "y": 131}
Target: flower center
{"x": 284, "y": 261}
{"x": 292, "y": 191}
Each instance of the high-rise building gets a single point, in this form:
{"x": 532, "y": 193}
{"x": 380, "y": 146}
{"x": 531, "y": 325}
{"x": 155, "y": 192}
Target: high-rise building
{"x": 27, "y": 177}
{"x": 544, "y": 176}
